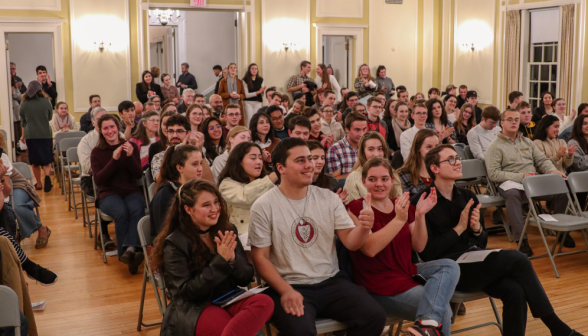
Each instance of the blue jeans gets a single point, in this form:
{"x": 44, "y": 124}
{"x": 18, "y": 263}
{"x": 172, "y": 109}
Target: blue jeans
{"x": 429, "y": 302}
{"x": 25, "y": 213}
{"x": 126, "y": 212}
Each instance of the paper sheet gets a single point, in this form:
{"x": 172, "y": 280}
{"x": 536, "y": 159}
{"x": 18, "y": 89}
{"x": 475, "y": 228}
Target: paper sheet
{"x": 475, "y": 256}
{"x": 245, "y": 295}
{"x": 111, "y": 253}
{"x": 37, "y": 306}
{"x": 547, "y": 218}
{"x": 511, "y": 185}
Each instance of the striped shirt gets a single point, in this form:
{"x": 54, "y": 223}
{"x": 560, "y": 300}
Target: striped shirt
{"x": 21, "y": 255}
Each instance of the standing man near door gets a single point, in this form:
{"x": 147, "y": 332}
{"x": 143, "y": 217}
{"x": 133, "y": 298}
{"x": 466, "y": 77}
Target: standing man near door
{"x": 186, "y": 80}
{"x": 48, "y": 86}
{"x": 19, "y": 84}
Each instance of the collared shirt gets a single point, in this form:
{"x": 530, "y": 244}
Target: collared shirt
{"x": 443, "y": 241}
{"x": 341, "y": 156}
{"x": 297, "y": 80}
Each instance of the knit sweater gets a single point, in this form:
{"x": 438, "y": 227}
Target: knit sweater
{"x": 508, "y": 160}
{"x": 116, "y": 177}
{"x": 580, "y": 158}
{"x": 35, "y": 115}
{"x": 549, "y": 147}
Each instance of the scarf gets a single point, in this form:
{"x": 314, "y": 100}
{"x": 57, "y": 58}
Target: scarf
{"x": 232, "y": 87}
{"x": 60, "y": 122}
{"x": 398, "y": 129}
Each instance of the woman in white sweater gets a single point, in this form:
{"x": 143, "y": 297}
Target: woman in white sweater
{"x": 371, "y": 144}
{"x": 62, "y": 120}
{"x": 243, "y": 181}
{"x": 327, "y": 82}
{"x": 559, "y": 110}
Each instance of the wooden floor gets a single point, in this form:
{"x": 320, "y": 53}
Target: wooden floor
{"x": 93, "y": 298}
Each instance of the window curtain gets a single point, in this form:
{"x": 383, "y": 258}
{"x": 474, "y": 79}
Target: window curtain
{"x": 512, "y": 52}
{"x": 567, "y": 50}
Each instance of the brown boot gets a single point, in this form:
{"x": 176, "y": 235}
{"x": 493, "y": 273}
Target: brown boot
{"x": 42, "y": 241}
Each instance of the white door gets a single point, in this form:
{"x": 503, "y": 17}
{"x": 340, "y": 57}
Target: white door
{"x": 336, "y": 54}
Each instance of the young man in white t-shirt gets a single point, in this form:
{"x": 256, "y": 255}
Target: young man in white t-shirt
{"x": 292, "y": 236}
{"x": 481, "y": 136}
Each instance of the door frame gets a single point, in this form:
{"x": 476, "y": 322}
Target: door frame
{"x": 28, "y": 25}
{"x": 353, "y": 30}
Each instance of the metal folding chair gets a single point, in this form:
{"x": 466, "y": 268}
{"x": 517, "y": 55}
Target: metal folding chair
{"x": 149, "y": 276}
{"x": 459, "y": 298}
{"x": 64, "y": 145}
{"x": 9, "y": 309}
{"x": 468, "y": 153}
{"x": 100, "y": 216}
{"x": 578, "y": 183}
{"x": 548, "y": 185}
{"x": 25, "y": 171}
{"x": 151, "y": 191}
{"x": 148, "y": 176}
{"x": 460, "y": 152}
{"x": 57, "y": 168}
{"x": 477, "y": 169}
{"x": 85, "y": 207}
{"x": 72, "y": 157}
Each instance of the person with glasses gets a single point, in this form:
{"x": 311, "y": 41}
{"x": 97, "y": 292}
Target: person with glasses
{"x": 195, "y": 115}
{"x": 374, "y": 123}
{"x": 232, "y": 117}
{"x": 349, "y": 101}
{"x": 419, "y": 115}
{"x": 512, "y": 157}
{"x": 214, "y": 143}
{"x": 146, "y": 134}
{"x": 278, "y": 123}
{"x": 454, "y": 228}
{"x": 329, "y": 125}
{"x": 163, "y": 142}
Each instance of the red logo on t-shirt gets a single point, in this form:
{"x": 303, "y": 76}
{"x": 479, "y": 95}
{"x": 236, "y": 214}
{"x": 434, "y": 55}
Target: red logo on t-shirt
{"x": 304, "y": 231}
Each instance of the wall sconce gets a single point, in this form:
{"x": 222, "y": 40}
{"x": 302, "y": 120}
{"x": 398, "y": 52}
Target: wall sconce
{"x": 101, "y": 46}
{"x": 287, "y": 46}
{"x": 164, "y": 16}
{"x": 474, "y": 35}
{"x": 471, "y": 46}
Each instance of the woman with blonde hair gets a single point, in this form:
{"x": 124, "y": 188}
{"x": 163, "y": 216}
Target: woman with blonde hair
{"x": 62, "y": 120}
{"x": 364, "y": 84}
{"x": 235, "y": 136}
{"x": 413, "y": 174}
{"x": 371, "y": 144}
{"x": 464, "y": 123}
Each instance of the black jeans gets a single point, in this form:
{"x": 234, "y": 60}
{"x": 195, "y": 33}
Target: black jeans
{"x": 334, "y": 298}
{"x": 509, "y": 276}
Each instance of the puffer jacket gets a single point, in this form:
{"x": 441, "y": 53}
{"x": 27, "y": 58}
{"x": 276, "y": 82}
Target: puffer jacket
{"x": 240, "y": 197}
{"x": 191, "y": 288}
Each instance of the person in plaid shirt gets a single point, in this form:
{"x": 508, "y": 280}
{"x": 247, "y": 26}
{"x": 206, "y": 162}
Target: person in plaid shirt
{"x": 296, "y": 82}
{"x": 341, "y": 156}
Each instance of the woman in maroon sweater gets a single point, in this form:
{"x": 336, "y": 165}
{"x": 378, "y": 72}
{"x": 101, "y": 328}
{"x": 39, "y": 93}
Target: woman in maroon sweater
{"x": 116, "y": 166}
{"x": 384, "y": 264}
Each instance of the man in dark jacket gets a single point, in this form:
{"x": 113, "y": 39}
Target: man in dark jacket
{"x": 49, "y": 87}
{"x": 86, "y": 119}
{"x": 186, "y": 80}
{"x": 19, "y": 84}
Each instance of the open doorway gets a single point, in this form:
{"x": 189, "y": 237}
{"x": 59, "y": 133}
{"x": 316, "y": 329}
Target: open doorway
{"x": 336, "y": 53}
{"x": 24, "y": 53}
{"x": 202, "y": 39}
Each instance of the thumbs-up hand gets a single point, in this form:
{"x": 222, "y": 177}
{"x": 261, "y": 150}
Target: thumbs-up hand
{"x": 366, "y": 216}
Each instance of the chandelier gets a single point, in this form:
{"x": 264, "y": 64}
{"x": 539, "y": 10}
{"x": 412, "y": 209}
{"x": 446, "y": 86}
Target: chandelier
{"x": 164, "y": 16}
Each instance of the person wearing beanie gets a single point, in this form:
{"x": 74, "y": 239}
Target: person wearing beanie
{"x": 35, "y": 113}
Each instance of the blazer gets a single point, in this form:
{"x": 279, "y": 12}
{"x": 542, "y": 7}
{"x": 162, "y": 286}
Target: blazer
{"x": 192, "y": 288}
{"x": 223, "y": 91}
{"x": 142, "y": 94}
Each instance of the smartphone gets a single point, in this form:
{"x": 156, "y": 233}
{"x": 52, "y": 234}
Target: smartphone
{"x": 228, "y": 296}
{"x": 419, "y": 279}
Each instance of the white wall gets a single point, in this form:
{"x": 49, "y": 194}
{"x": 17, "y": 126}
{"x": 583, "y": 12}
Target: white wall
{"x": 106, "y": 73}
{"x": 29, "y": 50}
{"x": 392, "y": 36}
{"x": 210, "y": 40}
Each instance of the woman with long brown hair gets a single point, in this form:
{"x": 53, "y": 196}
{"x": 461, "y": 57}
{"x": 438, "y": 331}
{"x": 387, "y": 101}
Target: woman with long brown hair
{"x": 464, "y": 123}
{"x": 201, "y": 260}
{"x": 413, "y": 174}
{"x": 146, "y": 134}
{"x": 327, "y": 82}
{"x": 254, "y": 89}
{"x": 147, "y": 88}
{"x": 364, "y": 84}
{"x": 437, "y": 121}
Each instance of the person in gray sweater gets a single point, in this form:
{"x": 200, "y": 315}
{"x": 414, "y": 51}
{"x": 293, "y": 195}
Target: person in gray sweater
{"x": 481, "y": 136}
{"x": 385, "y": 84}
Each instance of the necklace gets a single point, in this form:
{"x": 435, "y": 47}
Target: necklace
{"x": 305, "y": 202}
{"x": 205, "y": 231}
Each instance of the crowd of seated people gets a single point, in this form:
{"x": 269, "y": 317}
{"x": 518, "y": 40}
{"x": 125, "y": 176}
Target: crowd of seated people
{"x": 285, "y": 188}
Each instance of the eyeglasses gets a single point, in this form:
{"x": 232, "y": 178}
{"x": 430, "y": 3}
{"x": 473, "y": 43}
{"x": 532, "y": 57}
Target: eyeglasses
{"x": 232, "y": 115}
{"x": 178, "y": 132}
{"x": 211, "y": 128}
{"x": 154, "y": 120}
{"x": 421, "y": 113}
{"x": 376, "y": 107}
{"x": 278, "y": 118}
{"x": 513, "y": 120}
{"x": 452, "y": 160}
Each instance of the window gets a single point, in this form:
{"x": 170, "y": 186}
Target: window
{"x": 542, "y": 71}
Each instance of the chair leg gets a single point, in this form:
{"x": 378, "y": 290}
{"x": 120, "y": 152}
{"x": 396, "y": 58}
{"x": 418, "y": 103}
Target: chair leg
{"x": 142, "y": 302}
{"x": 547, "y": 248}
{"x": 97, "y": 221}
{"x": 398, "y": 330}
{"x": 268, "y": 329}
{"x": 496, "y": 313}
{"x": 506, "y": 224}
{"x": 84, "y": 210}
{"x": 73, "y": 198}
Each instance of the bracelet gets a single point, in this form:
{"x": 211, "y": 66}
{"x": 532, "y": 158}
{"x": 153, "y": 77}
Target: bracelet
{"x": 479, "y": 231}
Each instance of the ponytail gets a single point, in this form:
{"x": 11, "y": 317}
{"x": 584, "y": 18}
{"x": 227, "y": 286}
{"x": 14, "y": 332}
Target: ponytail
{"x": 175, "y": 155}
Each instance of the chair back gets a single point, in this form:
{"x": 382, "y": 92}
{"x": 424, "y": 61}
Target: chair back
{"x": 578, "y": 183}
{"x": 473, "y": 169}
{"x": 148, "y": 176}
{"x": 468, "y": 153}
{"x": 68, "y": 143}
{"x": 544, "y": 185}
{"x": 24, "y": 170}
{"x": 397, "y": 160}
{"x": 9, "y": 309}
{"x": 152, "y": 191}
{"x": 72, "y": 154}
{"x": 460, "y": 152}
{"x": 72, "y": 134}
{"x": 144, "y": 230}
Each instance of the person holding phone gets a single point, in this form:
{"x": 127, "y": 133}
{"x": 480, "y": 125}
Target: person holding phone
{"x": 147, "y": 88}
{"x": 202, "y": 260}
